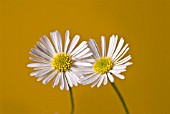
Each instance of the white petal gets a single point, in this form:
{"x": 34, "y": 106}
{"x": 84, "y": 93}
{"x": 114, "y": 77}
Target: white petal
{"x": 41, "y": 68}
{"x": 83, "y": 69}
{"x": 118, "y": 48}
{"x": 119, "y": 76}
{"x": 91, "y": 79}
{"x": 128, "y": 63}
{"x": 59, "y": 41}
{"x": 119, "y": 67}
{"x": 38, "y": 64}
{"x": 110, "y": 77}
{"x": 122, "y": 55}
{"x": 67, "y": 40}
{"x": 48, "y": 78}
{"x": 43, "y": 75}
{"x": 56, "y": 80}
{"x": 79, "y": 48}
{"x": 105, "y": 79}
{"x": 33, "y": 73}
{"x": 89, "y": 60}
{"x": 101, "y": 80}
{"x": 124, "y": 60}
{"x": 75, "y": 77}
{"x": 39, "y": 51}
{"x": 124, "y": 48}
{"x": 103, "y": 46}
{"x": 82, "y": 63}
{"x": 55, "y": 41}
{"x": 89, "y": 76}
{"x": 43, "y": 48}
{"x": 112, "y": 45}
{"x": 94, "y": 48}
{"x": 39, "y": 60}
{"x": 66, "y": 84}
{"x": 48, "y": 44}
{"x": 45, "y": 72}
{"x": 87, "y": 55}
{"x": 69, "y": 80}
{"x": 87, "y": 72}
{"x": 85, "y": 81}
{"x": 96, "y": 81}
{"x": 75, "y": 69}
{"x": 39, "y": 72}
{"x": 79, "y": 75}
{"x": 73, "y": 43}
{"x": 40, "y": 54}
{"x": 72, "y": 78}
{"x": 74, "y": 81}
{"x": 82, "y": 53}
{"x": 61, "y": 81}
{"x": 117, "y": 71}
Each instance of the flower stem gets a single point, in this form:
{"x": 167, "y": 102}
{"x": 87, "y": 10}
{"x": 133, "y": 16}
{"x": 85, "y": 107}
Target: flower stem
{"x": 120, "y": 97}
{"x": 72, "y": 100}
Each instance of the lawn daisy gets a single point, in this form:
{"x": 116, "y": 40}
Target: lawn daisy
{"x": 54, "y": 62}
{"x": 106, "y": 66}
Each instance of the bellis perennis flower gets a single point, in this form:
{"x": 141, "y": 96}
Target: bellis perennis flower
{"x": 106, "y": 66}
{"x": 61, "y": 65}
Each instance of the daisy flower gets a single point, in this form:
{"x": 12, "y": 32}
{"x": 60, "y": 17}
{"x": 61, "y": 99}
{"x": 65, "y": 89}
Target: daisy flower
{"x": 54, "y": 61}
{"x": 106, "y": 66}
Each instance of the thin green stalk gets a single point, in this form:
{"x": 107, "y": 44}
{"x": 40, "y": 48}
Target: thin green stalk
{"x": 72, "y": 100}
{"x": 120, "y": 97}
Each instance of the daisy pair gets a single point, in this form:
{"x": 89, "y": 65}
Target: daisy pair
{"x": 73, "y": 65}
{"x": 69, "y": 64}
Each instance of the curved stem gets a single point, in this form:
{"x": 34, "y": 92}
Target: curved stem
{"x": 120, "y": 97}
{"x": 72, "y": 100}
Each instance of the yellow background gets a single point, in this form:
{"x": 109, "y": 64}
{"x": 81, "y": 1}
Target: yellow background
{"x": 145, "y": 25}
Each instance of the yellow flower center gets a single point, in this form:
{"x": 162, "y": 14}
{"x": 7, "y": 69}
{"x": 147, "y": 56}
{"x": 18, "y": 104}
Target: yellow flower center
{"x": 103, "y": 65}
{"x": 62, "y": 62}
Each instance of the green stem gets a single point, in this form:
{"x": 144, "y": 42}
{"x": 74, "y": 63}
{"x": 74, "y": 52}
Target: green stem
{"x": 72, "y": 101}
{"x": 120, "y": 97}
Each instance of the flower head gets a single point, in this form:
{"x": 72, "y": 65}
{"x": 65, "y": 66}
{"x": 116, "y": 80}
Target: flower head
{"x": 61, "y": 65}
{"x": 62, "y": 62}
{"x": 105, "y": 66}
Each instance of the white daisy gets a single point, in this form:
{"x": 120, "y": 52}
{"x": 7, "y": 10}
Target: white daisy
{"x": 54, "y": 61}
{"x": 105, "y": 66}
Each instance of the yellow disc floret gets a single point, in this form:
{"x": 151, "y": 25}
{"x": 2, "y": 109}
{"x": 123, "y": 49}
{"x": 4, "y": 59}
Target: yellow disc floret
{"x": 62, "y": 62}
{"x": 103, "y": 65}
